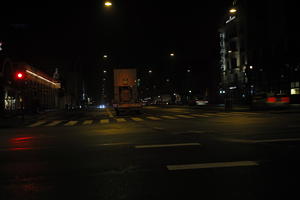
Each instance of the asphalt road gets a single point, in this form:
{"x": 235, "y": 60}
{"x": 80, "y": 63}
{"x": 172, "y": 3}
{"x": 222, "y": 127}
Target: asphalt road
{"x": 164, "y": 153}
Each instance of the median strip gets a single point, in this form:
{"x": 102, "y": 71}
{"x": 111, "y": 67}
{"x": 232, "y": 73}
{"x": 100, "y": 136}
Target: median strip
{"x": 212, "y": 165}
{"x": 166, "y": 145}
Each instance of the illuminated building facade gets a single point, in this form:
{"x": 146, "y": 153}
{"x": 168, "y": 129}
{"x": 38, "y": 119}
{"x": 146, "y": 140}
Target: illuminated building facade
{"x": 23, "y": 86}
{"x": 258, "y": 50}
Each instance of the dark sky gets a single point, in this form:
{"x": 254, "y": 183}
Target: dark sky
{"x": 132, "y": 32}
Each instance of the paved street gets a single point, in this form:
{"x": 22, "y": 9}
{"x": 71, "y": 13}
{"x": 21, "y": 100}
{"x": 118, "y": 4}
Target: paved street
{"x": 164, "y": 153}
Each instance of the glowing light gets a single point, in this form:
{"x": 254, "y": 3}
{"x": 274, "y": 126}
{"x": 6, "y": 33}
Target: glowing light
{"x": 172, "y": 54}
{"x": 233, "y": 10}
{"x": 251, "y": 67}
{"x": 40, "y": 77}
{"x": 108, "y": 4}
{"x": 20, "y": 75}
{"x": 105, "y": 56}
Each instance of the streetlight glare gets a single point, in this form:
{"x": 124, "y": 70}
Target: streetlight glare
{"x": 108, "y": 4}
{"x": 172, "y": 54}
{"x": 232, "y": 10}
{"x": 105, "y": 56}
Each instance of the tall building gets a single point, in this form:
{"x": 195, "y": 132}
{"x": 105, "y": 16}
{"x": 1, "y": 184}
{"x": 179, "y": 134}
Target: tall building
{"x": 257, "y": 50}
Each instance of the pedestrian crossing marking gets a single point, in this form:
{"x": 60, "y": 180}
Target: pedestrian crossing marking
{"x": 198, "y": 115}
{"x": 104, "y": 121}
{"x": 137, "y": 119}
{"x": 37, "y": 124}
{"x": 87, "y": 122}
{"x": 120, "y": 120}
{"x": 185, "y": 116}
{"x": 54, "y": 123}
{"x": 71, "y": 123}
{"x": 154, "y": 118}
{"x": 169, "y": 117}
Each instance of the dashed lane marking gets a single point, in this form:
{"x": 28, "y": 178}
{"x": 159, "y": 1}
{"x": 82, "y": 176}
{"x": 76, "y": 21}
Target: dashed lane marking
{"x": 120, "y": 120}
{"x": 154, "y": 118}
{"x": 185, "y": 116}
{"x": 71, "y": 123}
{"x": 137, "y": 119}
{"x": 166, "y": 145}
{"x": 104, "y": 121}
{"x": 87, "y": 122}
{"x": 37, "y": 124}
{"x": 109, "y": 113}
{"x": 213, "y": 165}
{"x": 54, "y": 123}
{"x": 169, "y": 117}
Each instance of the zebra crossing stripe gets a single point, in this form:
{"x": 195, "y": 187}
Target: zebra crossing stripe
{"x": 153, "y": 118}
{"x": 71, "y": 123}
{"x": 87, "y": 122}
{"x": 198, "y": 115}
{"x": 169, "y": 117}
{"x": 37, "y": 124}
{"x": 54, "y": 123}
{"x": 120, "y": 120}
{"x": 104, "y": 121}
{"x": 185, "y": 116}
{"x": 137, "y": 119}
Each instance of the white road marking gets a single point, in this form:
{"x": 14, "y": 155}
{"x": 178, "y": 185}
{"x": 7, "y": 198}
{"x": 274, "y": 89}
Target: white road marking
{"x": 104, "y": 121}
{"x": 153, "y": 118}
{"x": 87, "y": 122}
{"x": 198, "y": 115}
{"x": 71, "y": 123}
{"x": 166, "y": 145}
{"x": 112, "y": 144}
{"x": 54, "y": 123}
{"x": 185, "y": 116}
{"x": 37, "y": 124}
{"x": 137, "y": 119}
{"x": 169, "y": 117}
{"x": 277, "y": 140}
{"x": 121, "y": 120}
{"x": 212, "y": 165}
{"x": 263, "y": 141}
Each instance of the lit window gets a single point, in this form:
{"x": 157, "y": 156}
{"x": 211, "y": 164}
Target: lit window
{"x": 295, "y": 91}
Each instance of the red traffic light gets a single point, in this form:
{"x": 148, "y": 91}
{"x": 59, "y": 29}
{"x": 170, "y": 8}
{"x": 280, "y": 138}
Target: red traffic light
{"x": 19, "y": 75}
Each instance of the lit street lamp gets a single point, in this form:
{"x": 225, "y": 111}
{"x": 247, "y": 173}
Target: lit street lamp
{"x": 150, "y": 71}
{"x": 107, "y": 4}
{"x": 172, "y": 54}
{"x": 233, "y": 10}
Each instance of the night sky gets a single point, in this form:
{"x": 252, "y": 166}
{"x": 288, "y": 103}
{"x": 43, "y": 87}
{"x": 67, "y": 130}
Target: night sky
{"x": 134, "y": 33}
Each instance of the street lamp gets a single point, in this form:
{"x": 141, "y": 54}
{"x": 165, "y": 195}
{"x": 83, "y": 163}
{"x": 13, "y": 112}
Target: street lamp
{"x": 233, "y": 10}
{"x": 172, "y": 54}
{"x": 150, "y": 71}
{"x": 107, "y": 4}
{"x": 105, "y": 56}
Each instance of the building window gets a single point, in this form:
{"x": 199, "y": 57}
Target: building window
{"x": 295, "y": 91}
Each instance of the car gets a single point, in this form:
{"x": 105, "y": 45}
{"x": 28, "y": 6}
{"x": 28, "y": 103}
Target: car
{"x": 269, "y": 101}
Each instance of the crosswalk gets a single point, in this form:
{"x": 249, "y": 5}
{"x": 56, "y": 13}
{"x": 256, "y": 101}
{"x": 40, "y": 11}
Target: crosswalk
{"x": 69, "y": 123}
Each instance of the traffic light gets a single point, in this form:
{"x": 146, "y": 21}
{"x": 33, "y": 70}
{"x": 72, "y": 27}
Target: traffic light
{"x": 20, "y": 75}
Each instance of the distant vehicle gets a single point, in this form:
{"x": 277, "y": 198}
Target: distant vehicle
{"x": 269, "y": 100}
{"x": 125, "y": 91}
{"x": 198, "y": 101}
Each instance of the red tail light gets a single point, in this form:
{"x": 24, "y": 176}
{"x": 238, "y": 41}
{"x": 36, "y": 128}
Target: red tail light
{"x": 271, "y": 99}
{"x": 285, "y": 99}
